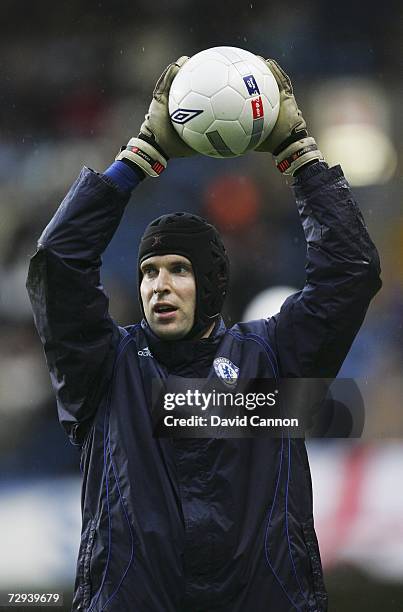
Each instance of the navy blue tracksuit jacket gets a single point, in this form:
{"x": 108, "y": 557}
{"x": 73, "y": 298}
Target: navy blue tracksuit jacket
{"x": 193, "y": 525}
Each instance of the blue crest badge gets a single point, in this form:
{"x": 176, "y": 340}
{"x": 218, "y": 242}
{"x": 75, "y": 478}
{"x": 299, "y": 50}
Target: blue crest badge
{"x": 226, "y": 370}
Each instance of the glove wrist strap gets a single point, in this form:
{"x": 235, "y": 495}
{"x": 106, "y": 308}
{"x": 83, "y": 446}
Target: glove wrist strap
{"x": 297, "y": 155}
{"x": 144, "y": 155}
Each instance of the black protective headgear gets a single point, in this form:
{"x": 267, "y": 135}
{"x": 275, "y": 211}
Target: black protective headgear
{"x": 191, "y": 236}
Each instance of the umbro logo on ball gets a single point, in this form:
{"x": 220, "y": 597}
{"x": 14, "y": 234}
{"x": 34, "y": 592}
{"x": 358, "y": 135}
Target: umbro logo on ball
{"x": 183, "y": 115}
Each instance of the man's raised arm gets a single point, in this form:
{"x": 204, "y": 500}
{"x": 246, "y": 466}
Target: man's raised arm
{"x": 69, "y": 303}
{"x": 316, "y": 327}
{"x": 68, "y": 300}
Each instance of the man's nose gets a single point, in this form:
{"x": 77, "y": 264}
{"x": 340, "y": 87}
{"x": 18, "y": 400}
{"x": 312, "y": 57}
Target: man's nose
{"x": 161, "y": 282}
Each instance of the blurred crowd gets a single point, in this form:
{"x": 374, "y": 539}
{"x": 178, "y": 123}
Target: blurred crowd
{"x": 77, "y": 80}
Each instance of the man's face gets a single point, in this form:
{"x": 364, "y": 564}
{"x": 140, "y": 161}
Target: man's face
{"x": 168, "y": 293}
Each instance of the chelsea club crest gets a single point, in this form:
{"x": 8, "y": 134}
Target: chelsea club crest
{"x": 226, "y": 370}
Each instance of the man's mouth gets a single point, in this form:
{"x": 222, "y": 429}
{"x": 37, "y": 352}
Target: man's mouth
{"x": 164, "y": 310}
{"x": 164, "y": 307}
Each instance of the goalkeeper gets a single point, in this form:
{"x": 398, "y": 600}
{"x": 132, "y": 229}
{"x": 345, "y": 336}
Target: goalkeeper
{"x": 193, "y": 525}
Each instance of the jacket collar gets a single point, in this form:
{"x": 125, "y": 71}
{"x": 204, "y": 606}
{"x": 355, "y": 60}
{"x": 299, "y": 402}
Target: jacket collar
{"x": 181, "y": 353}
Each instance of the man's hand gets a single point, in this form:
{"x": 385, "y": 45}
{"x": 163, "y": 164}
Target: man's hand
{"x": 289, "y": 141}
{"x": 158, "y": 140}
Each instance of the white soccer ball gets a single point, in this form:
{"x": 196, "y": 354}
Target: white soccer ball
{"x": 224, "y": 101}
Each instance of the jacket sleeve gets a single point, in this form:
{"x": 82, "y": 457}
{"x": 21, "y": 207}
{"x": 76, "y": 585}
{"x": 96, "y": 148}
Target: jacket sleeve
{"x": 316, "y": 326}
{"x": 69, "y": 304}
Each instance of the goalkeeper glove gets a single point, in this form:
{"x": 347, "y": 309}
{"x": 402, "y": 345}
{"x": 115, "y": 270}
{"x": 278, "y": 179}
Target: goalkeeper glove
{"x": 157, "y": 140}
{"x": 289, "y": 141}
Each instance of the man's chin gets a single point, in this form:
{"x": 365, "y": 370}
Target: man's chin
{"x": 169, "y": 332}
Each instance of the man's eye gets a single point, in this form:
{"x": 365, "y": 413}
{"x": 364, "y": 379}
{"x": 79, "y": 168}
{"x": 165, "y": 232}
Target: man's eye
{"x": 181, "y": 269}
{"x": 149, "y": 272}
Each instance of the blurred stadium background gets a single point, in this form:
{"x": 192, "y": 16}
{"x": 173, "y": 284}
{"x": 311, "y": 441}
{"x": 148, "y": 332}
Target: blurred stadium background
{"x": 76, "y": 81}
